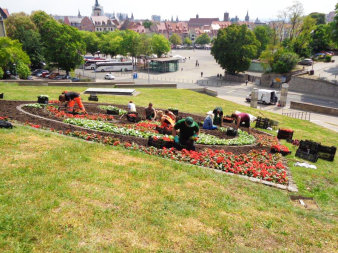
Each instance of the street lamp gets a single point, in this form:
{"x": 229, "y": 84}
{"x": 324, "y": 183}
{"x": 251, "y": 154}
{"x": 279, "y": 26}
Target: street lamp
{"x": 14, "y": 68}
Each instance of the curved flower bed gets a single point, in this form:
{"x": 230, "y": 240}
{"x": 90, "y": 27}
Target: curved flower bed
{"x": 256, "y": 164}
{"x": 243, "y": 138}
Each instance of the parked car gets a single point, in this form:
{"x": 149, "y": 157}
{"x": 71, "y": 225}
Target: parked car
{"x": 307, "y": 62}
{"x": 75, "y": 79}
{"x": 44, "y": 72}
{"x": 29, "y": 78}
{"x": 53, "y": 75}
{"x": 36, "y": 71}
{"x": 265, "y": 97}
{"x": 109, "y": 77}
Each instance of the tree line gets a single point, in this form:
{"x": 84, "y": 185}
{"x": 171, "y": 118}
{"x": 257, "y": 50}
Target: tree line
{"x": 279, "y": 46}
{"x": 38, "y": 38}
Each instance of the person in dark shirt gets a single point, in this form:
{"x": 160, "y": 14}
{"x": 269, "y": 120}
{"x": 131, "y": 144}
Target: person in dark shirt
{"x": 218, "y": 116}
{"x": 150, "y": 112}
{"x": 188, "y": 133}
{"x": 71, "y": 98}
{"x": 242, "y": 119}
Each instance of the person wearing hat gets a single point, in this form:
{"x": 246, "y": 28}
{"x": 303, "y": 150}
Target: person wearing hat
{"x": 218, "y": 116}
{"x": 208, "y": 121}
{"x": 188, "y": 133}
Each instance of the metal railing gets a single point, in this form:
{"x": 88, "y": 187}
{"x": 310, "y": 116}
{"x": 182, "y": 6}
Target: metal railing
{"x": 298, "y": 115}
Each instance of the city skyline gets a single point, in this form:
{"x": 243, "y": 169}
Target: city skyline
{"x": 262, "y": 9}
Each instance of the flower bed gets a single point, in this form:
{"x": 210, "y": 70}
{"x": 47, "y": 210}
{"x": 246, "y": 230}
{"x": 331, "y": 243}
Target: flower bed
{"x": 62, "y": 114}
{"x": 243, "y": 137}
{"x": 257, "y": 164}
{"x": 113, "y": 108}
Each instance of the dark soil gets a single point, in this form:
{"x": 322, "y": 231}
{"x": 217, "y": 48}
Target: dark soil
{"x": 9, "y": 109}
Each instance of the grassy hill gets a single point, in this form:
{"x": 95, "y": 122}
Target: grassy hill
{"x": 62, "y": 194}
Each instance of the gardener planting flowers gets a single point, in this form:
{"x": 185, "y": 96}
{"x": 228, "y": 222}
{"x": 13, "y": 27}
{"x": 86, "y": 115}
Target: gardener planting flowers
{"x": 188, "y": 131}
{"x": 71, "y": 98}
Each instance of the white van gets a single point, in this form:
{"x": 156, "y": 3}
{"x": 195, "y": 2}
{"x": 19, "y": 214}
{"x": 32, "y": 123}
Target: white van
{"x": 266, "y": 97}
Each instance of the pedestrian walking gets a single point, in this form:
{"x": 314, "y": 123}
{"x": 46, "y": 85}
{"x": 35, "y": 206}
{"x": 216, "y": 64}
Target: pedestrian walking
{"x": 246, "y": 82}
{"x": 201, "y": 74}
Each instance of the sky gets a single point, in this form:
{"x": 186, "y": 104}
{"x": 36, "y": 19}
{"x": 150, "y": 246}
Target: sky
{"x": 265, "y": 10}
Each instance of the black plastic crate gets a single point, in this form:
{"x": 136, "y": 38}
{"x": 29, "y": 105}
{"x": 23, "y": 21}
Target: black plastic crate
{"x": 309, "y": 146}
{"x": 93, "y": 98}
{"x": 174, "y": 111}
{"x": 285, "y": 135}
{"x": 43, "y": 100}
{"x": 307, "y": 156}
{"x": 263, "y": 123}
{"x": 133, "y": 117}
{"x": 232, "y": 132}
{"x": 1, "y": 95}
{"x": 327, "y": 153}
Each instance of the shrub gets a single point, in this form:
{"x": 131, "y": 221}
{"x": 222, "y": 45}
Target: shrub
{"x": 1, "y": 73}
{"x": 23, "y": 70}
{"x": 328, "y": 58}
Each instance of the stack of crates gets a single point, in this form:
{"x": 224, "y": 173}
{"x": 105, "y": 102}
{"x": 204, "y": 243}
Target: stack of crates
{"x": 308, "y": 150}
{"x": 285, "y": 134}
{"x": 263, "y": 123}
{"x": 93, "y": 98}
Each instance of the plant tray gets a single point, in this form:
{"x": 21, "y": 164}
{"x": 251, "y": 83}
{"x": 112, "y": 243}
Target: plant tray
{"x": 307, "y": 156}
{"x": 327, "y": 153}
{"x": 113, "y": 112}
{"x": 5, "y": 124}
{"x": 1, "y": 95}
{"x": 93, "y": 98}
{"x": 285, "y": 135}
{"x": 309, "y": 146}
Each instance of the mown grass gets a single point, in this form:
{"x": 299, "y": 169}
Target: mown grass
{"x": 152, "y": 204}
{"x": 60, "y": 194}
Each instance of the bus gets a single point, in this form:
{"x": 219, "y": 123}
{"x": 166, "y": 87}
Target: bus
{"x": 90, "y": 64}
{"x": 114, "y": 66}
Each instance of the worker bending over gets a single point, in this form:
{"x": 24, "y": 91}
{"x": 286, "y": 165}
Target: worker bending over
{"x": 242, "y": 119}
{"x": 188, "y": 133}
{"x": 218, "y": 116}
{"x": 71, "y": 98}
{"x": 167, "y": 123}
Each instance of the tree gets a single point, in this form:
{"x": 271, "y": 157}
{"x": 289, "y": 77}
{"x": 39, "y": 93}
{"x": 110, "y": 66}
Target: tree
{"x": 334, "y": 26}
{"x": 234, "y": 48}
{"x": 187, "y": 41}
{"x": 279, "y": 59}
{"x": 284, "y": 61}
{"x": 130, "y": 43}
{"x": 321, "y": 38}
{"x": 203, "y": 39}
{"x": 147, "y": 24}
{"x": 295, "y": 13}
{"x": 145, "y": 45}
{"x": 110, "y": 43}
{"x": 319, "y": 17}
{"x": 91, "y": 40}
{"x": 63, "y": 44}
{"x": 1, "y": 73}
{"x": 263, "y": 35}
{"x": 23, "y": 70}
{"x": 300, "y": 44}
{"x": 11, "y": 53}
{"x": 160, "y": 45}
{"x": 21, "y": 27}
{"x": 175, "y": 39}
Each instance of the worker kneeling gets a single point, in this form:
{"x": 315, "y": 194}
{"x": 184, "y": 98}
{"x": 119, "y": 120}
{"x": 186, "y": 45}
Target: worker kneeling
{"x": 208, "y": 121}
{"x": 188, "y": 133}
{"x": 242, "y": 119}
{"x": 167, "y": 122}
{"x": 71, "y": 98}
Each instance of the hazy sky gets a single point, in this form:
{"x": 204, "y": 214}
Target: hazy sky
{"x": 263, "y": 9}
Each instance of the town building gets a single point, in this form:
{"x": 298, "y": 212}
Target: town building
{"x": 156, "y": 18}
{"x": 180, "y": 28}
{"x": 226, "y": 17}
{"x": 200, "y": 22}
{"x": 3, "y": 15}
{"x": 330, "y": 16}
{"x": 247, "y": 18}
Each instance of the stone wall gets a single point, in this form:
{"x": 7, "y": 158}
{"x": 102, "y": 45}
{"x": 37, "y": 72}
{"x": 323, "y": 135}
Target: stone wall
{"x": 314, "y": 108}
{"x": 312, "y": 86}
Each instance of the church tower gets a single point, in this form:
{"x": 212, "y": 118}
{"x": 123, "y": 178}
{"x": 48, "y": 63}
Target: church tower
{"x": 97, "y": 9}
{"x": 247, "y": 18}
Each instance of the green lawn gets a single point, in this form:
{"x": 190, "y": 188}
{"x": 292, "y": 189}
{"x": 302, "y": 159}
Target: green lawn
{"x": 61, "y": 194}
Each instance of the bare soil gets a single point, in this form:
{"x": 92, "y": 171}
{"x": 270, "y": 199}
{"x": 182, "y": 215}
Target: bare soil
{"x": 9, "y": 109}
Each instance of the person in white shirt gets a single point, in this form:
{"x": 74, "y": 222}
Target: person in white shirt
{"x": 131, "y": 107}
